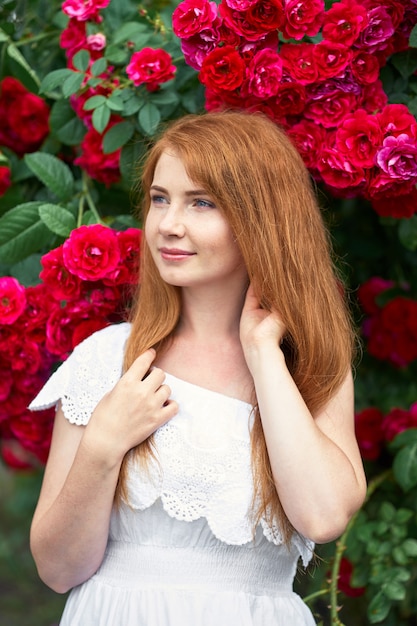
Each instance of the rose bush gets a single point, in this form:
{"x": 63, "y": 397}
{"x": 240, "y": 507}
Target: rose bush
{"x": 84, "y": 88}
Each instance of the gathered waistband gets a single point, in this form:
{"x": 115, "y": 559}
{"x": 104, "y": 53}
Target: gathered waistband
{"x": 258, "y": 570}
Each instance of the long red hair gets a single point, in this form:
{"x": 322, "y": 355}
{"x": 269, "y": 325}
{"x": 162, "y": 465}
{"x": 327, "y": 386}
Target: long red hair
{"x": 254, "y": 173}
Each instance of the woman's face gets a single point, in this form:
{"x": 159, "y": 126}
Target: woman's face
{"x": 189, "y": 238}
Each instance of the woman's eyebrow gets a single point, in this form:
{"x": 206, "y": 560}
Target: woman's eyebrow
{"x": 191, "y": 192}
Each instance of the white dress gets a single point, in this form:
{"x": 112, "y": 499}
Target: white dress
{"x": 184, "y": 552}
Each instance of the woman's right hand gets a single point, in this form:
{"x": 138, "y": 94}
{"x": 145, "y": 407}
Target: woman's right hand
{"x": 137, "y": 406}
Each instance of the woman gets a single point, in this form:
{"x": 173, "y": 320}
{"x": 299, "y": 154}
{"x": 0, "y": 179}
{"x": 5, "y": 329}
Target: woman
{"x": 199, "y": 451}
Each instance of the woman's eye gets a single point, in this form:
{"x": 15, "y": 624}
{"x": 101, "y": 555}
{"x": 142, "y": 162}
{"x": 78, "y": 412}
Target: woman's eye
{"x": 205, "y": 204}
{"x": 155, "y": 199}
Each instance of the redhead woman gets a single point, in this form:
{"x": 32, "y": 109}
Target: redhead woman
{"x": 200, "y": 450}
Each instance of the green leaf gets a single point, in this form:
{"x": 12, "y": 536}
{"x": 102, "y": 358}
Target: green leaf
{"x": 115, "y": 103}
{"x": 378, "y": 608}
{"x": 407, "y": 232}
{"x": 128, "y": 32}
{"x": 94, "y": 102}
{"x": 17, "y": 56}
{"x": 55, "y": 174}
{"x": 131, "y": 105}
{"x": 65, "y": 125}
{"x": 387, "y": 511}
{"x": 3, "y": 36}
{"x": 27, "y": 271}
{"x": 131, "y": 155}
{"x": 54, "y": 79}
{"x": 394, "y": 590}
{"x": 100, "y": 118}
{"x": 412, "y": 42}
{"x": 22, "y": 232}
{"x": 72, "y": 84}
{"x": 116, "y": 55}
{"x": 410, "y": 547}
{"x": 89, "y": 218}
{"x": 405, "y": 62}
{"x": 164, "y": 97}
{"x": 404, "y": 438}
{"x": 81, "y": 60}
{"x": 117, "y": 136}
{"x": 149, "y": 118}
{"x": 405, "y": 467}
{"x": 399, "y": 555}
{"x": 99, "y": 67}
{"x": 59, "y": 220}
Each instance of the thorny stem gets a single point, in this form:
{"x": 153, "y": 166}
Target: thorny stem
{"x": 341, "y": 547}
{"x": 86, "y": 197}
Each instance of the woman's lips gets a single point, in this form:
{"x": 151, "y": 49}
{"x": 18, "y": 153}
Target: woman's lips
{"x": 175, "y": 254}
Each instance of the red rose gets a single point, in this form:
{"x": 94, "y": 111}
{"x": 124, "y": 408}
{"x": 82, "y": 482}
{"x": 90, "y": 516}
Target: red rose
{"x": 192, "y": 16}
{"x": 127, "y": 270}
{"x": 5, "y": 179}
{"x": 290, "y": 100}
{"x": 223, "y": 69}
{"x": 396, "y": 119}
{"x": 359, "y": 136}
{"x": 399, "y": 420}
{"x": 100, "y": 166}
{"x": 344, "y": 22}
{"x": 399, "y": 206}
{"x": 62, "y": 323}
{"x": 62, "y": 284}
{"x": 12, "y": 300}
{"x": 74, "y": 37}
{"x": 365, "y": 67}
{"x": 91, "y": 252}
{"x": 34, "y": 433}
{"x": 368, "y": 429}
{"x": 87, "y": 328}
{"x": 393, "y": 333}
{"x": 309, "y": 138}
{"x": 370, "y": 290}
{"x": 330, "y": 108}
{"x": 150, "y": 67}
{"x": 23, "y": 117}
{"x": 302, "y": 18}
{"x": 344, "y": 581}
{"x": 264, "y": 74}
{"x": 261, "y": 18}
{"x": 299, "y": 61}
{"x": 331, "y": 58}
{"x": 338, "y": 171}
{"x": 373, "y": 97}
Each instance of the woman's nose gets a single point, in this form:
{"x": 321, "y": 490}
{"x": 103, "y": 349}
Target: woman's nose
{"x": 172, "y": 223}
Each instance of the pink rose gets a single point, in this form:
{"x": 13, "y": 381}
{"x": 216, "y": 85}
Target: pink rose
{"x": 12, "y": 300}
{"x": 377, "y": 33}
{"x": 302, "y": 18}
{"x": 195, "y": 49}
{"x": 264, "y": 74}
{"x": 344, "y": 22}
{"x": 398, "y": 157}
{"x": 83, "y": 10}
{"x": 359, "y": 136}
{"x": 91, "y": 252}
{"x": 150, "y": 67}
{"x": 223, "y": 69}
{"x": 192, "y": 16}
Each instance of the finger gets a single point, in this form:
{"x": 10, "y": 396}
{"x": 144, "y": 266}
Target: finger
{"x": 141, "y": 364}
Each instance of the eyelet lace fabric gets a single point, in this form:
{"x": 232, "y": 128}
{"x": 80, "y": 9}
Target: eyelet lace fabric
{"x": 203, "y": 461}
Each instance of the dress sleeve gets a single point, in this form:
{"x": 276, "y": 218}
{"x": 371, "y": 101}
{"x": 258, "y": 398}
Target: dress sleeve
{"x": 91, "y": 370}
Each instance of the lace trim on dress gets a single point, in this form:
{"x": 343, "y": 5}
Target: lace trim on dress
{"x": 203, "y": 461}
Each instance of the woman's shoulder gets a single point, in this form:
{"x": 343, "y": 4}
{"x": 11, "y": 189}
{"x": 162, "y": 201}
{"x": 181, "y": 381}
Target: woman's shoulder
{"x": 90, "y": 371}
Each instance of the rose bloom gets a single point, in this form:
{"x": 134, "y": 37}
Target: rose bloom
{"x": 62, "y": 323}
{"x": 309, "y": 139}
{"x": 223, "y": 69}
{"x": 12, "y": 300}
{"x": 393, "y": 333}
{"x": 331, "y": 58}
{"x": 150, "y": 67}
{"x": 370, "y": 290}
{"x": 78, "y": 101}
{"x": 61, "y": 283}
{"x": 401, "y": 205}
{"x": 373, "y": 97}
{"x": 368, "y": 429}
{"x": 26, "y": 356}
{"x": 302, "y": 18}
{"x": 344, "y": 581}
{"x": 338, "y": 171}
{"x": 376, "y": 35}
{"x": 32, "y": 322}
{"x": 195, "y": 49}
{"x": 23, "y": 117}
{"x": 5, "y": 179}
{"x": 396, "y": 119}
{"x": 34, "y": 433}
{"x": 399, "y": 420}
{"x": 365, "y": 67}
{"x": 300, "y": 62}
{"x": 91, "y": 252}
{"x": 102, "y": 167}
{"x": 192, "y": 16}
{"x": 359, "y": 136}
{"x": 240, "y": 5}
{"x": 83, "y": 10}
{"x": 398, "y": 157}
{"x": 74, "y": 37}
{"x": 6, "y": 382}
{"x": 262, "y": 17}
{"x": 264, "y": 74}
{"x": 127, "y": 270}
{"x": 344, "y": 22}
{"x": 330, "y": 109}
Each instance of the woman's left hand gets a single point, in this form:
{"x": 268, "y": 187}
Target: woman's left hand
{"x": 258, "y": 326}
